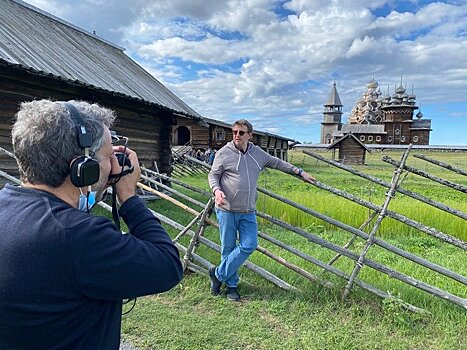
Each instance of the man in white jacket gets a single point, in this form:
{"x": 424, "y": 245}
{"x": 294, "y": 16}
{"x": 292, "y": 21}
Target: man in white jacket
{"x": 233, "y": 180}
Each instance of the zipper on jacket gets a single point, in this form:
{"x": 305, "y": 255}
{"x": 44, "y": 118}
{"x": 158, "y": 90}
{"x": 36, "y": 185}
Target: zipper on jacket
{"x": 249, "y": 184}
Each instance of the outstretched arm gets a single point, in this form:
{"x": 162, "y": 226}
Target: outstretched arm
{"x": 276, "y": 163}
{"x": 305, "y": 176}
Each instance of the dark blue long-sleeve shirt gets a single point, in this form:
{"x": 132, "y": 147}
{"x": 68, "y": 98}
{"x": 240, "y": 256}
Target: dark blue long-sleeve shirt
{"x": 64, "y": 273}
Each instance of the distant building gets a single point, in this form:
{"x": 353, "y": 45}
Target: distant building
{"x": 214, "y": 134}
{"x": 376, "y": 119}
{"x": 350, "y": 150}
{"x": 332, "y": 116}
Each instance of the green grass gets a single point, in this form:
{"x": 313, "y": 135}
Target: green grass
{"x": 189, "y": 318}
{"x": 315, "y": 317}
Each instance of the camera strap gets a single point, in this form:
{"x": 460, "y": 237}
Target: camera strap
{"x": 115, "y": 215}
{"x": 121, "y": 174}
{"x": 124, "y": 161}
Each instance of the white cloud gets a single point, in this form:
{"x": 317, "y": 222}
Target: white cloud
{"x": 361, "y": 46}
{"x": 400, "y": 24}
{"x": 211, "y": 49}
{"x": 243, "y": 16}
{"x": 241, "y": 57}
{"x": 148, "y": 32}
{"x": 316, "y": 5}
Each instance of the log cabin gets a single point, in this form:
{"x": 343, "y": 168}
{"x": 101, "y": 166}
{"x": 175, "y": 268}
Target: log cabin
{"x": 214, "y": 134}
{"x": 42, "y": 56}
{"x": 350, "y": 150}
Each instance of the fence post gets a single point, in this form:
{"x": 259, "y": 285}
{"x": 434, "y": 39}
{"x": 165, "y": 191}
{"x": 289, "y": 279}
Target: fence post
{"x": 389, "y": 195}
{"x": 198, "y": 233}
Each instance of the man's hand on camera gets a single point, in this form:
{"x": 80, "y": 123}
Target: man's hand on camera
{"x": 126, "y": 186}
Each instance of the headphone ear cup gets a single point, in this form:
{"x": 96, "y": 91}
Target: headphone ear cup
{"x": 84, "y": 171}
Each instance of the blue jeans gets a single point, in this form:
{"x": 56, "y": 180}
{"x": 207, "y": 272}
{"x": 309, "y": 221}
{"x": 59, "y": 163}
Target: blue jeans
{"x": 233, "y": 255}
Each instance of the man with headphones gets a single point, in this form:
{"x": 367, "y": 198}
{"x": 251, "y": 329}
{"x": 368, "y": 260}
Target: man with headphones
{"x": 63, "y": 271}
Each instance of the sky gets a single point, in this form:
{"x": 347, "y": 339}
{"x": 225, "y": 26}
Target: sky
{"x": 274, "y": 62}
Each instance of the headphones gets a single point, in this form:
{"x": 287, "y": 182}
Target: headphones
{"x": 84, "y": 170}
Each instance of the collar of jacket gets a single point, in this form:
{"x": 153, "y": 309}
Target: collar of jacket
{"x": 234, "y": 148}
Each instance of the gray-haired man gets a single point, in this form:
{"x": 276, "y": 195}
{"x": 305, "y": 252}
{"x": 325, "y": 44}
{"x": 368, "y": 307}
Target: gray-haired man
{"x": 63, "y": 271}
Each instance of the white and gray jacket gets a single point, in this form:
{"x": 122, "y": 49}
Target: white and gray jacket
{"x": 236, "y": 174}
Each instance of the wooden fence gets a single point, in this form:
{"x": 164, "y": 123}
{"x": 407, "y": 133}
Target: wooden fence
{"x": 152, "y": 182}
{"x": 371, "y": 240}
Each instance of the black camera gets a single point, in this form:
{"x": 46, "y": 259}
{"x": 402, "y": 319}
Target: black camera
{"x": 125, "y": 163}
{"x": 123, "y": 160}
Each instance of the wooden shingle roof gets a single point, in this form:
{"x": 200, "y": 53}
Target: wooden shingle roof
{"x": 349, "y": 135}
{"x": 35, "y": 40}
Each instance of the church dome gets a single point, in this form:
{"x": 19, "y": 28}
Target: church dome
{"x": 372, "y": 84}
{"x": 400, "y": 89}
{"x": 368, "y": 105}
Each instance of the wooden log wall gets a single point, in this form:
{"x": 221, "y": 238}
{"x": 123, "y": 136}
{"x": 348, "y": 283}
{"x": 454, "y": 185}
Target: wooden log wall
{"x": 264, "y": 142}
{"x": 351, "y": 151}
{"x": 218, "y": 144}
{"x": 257, "y": 139}
{"x": 203, "y": 137}
{"x": 8, "y": 108}
{"x": 199, "y": 135}
{"x": 423, "y": 136}
{"x": 147, "y": 135}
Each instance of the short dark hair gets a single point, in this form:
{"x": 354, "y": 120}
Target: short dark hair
{"x": 45, "y": 141}
{"x": 244, "y": 122}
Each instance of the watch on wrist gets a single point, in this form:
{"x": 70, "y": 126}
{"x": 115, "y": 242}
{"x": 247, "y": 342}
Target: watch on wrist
{"x": 300, "y": 171}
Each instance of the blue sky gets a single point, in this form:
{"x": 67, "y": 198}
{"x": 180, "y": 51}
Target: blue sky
{"x": 274, "y": 62}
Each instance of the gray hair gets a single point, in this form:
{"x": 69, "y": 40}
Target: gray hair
{"x": 244, "y": 122}
{"x": 45, "y": 140}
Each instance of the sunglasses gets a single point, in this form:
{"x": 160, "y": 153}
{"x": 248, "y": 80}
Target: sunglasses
{"x": 240, "y": 132}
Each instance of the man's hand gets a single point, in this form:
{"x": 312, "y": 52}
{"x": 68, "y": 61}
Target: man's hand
{"x": 126, "y": 186}
{"x": 307, "y": 177}
{"x": 220, "y": 197}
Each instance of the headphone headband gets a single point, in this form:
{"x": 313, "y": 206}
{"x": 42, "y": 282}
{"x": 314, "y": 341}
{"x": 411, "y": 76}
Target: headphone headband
{"x": 84, "y": 139}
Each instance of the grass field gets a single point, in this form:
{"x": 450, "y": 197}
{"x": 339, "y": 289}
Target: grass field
{"x": 315, "y": 317}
